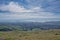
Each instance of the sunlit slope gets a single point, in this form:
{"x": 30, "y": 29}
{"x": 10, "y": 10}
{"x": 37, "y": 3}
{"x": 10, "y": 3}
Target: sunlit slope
{"x": 31, "y": 35}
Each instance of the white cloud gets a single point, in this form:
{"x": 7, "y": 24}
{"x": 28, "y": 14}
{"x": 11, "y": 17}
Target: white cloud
{"x": 14, "y": 7}
{"x": 19, "y": 12}
{"x": 29, "y": 15}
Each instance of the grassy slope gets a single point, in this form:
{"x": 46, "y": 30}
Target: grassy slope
{"x": 31, "y": 35}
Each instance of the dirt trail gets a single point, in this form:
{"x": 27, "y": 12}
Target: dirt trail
{"x": 1, "y": 39}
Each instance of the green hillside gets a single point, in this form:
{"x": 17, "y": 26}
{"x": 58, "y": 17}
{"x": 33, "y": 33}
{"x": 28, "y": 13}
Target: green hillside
{"x": 30, "y": 35}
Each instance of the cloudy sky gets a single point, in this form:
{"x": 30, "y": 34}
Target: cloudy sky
{"x": 29, "y": 10}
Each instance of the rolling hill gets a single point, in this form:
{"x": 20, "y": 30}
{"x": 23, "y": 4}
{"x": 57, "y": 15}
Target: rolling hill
{"x": 5, "y": 26}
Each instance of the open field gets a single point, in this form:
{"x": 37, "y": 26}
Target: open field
{"x": 31, "y": 35}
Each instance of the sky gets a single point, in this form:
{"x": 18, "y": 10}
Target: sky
{"x": 29, "y": 10}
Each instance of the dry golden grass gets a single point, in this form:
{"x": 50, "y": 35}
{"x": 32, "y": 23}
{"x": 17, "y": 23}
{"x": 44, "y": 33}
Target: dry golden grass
{"x": 31, "y": 35}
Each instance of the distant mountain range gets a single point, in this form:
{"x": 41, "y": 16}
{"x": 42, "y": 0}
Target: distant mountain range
{"x": 9, "y": 26}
